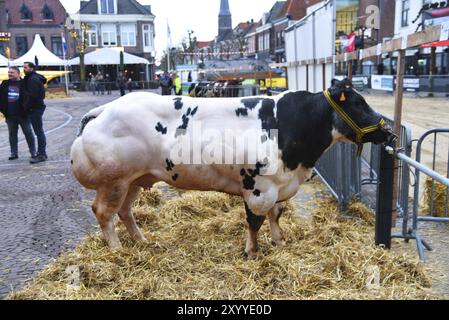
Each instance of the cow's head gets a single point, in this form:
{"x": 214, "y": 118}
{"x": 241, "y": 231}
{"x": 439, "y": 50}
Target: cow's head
{"x": 356, "y": 108}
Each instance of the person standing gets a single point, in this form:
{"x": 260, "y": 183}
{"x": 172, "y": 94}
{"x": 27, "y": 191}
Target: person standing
{"x": 11, "y": 107}
{"x": 107, "y": 82}
{"x": 33, "y": 104}
{"x": 121, "y": 83}
{"x": 100, "y": 83}
{"x": 177, "y": 84}
{"x": 130, "y": 85}
{"x": 166, "y": 83}
{"x": 93, "y": 84}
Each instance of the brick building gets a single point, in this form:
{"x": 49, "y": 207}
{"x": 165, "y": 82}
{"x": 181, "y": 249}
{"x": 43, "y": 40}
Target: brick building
{"x": 23, "y": 19}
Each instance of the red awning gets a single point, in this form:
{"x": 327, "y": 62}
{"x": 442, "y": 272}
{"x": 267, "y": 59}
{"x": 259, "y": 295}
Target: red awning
{"x": 444, "y": 43}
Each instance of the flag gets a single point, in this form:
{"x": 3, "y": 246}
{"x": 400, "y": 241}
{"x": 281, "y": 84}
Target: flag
{"x": 350, "y": 45}
{"x": 168, "y": 34}
{"x": 64, "y": 45}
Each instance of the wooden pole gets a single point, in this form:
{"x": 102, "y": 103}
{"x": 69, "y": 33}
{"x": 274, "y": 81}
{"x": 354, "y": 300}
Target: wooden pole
{"x": 397, "y": 125}
{"x": 350, "y": 70}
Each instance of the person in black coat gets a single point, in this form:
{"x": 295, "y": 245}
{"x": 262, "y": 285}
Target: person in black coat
{"x": 33, "y": 104}
{"x": 11, "y": 98}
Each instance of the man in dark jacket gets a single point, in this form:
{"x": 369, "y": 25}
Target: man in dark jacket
{"x": 11, "y": 107}
{"x": 33, "y": 104}
{"x": 166, "y": 83}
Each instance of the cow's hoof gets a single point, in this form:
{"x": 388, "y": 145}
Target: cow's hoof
{"x": 279, "y": 243}
{"x": 142, "y": 240}
{"x": 116, "y": 247}
{"x": 252, "y": 255}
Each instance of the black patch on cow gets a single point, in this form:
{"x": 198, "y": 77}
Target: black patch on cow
{"x": 188, "y": 111}
{"x": 194, "y": 111}
{"x": 304, "y": 122}
{"x": 266, "y": 116}
{"x": 160, "y": 128}
{"x": 257, "y": 193}
{"x": 248, "y": 182}
{"x": 264, "y": 139}
{"x": 178, "y": 103}
{"x": 175, "y": 177}
{"x": 185, "y": 123}
{"x": 251, "y": 103}
{"x": 242, "y": 172}
{"x": 170, "y": 164}
{"x": 241, "y": 112}
{"x": 254, "y": 221}
{"x": 71, "y": 161}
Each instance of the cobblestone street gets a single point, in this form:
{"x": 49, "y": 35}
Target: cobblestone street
{"x": 44, "y": 211}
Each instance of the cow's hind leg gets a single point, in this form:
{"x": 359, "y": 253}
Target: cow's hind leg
{"x": 127, "y": 217}
{"x": 276, "y": 232}
{"x": 107, "y": 203}
{"x": 254, "y": 224}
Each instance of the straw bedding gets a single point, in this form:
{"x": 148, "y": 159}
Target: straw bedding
{"x": 440, "y": 194}
{"x": 195, "y": 251}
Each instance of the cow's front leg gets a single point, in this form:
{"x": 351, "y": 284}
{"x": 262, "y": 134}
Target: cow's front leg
{"x": 276, "y": 231}
{"x": 254, "y": 224}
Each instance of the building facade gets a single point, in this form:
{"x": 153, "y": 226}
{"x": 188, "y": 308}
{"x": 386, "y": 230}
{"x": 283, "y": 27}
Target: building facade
{"x": 418, "y": 60}
{"x": 24, "y": 19}
{"x": 120, "y": 23}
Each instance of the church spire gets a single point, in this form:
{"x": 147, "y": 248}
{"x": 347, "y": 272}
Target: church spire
{"x": 224, "y": 18}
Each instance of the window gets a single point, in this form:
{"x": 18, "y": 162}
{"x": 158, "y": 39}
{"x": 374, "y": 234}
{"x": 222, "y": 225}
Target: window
{"x": 21, "y": 46}
{"x": 260, "y": 43}
{"x": 405, "y": 12}
{"x": 25, "y": 13}
{"x": 92, "y": 36}
{"x": 147, "y": 38}
{"x": 266, "y": 41}
{"x": 128, "y": 34}
{"x": 109, "y": 35}
{"x": 107, "y": 6}
{"x": 47, "y": 13}
{"x": 56, "y": 45}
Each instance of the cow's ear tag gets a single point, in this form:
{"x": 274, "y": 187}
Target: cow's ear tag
{"x": 342, "y": 97}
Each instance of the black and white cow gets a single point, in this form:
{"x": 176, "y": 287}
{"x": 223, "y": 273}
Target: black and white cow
{"x": 128, "y": 144}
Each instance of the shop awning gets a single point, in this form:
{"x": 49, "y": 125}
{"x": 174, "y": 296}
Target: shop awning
{"x": 45, "y": 57}
{"x": 444, "y": 43}
{"x": 108, "y": 56}
{"x": 49, "y": 75}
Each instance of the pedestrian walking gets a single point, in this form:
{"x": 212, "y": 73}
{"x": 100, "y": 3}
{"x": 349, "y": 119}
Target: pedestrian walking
{"x": 34, "y": 106}
{"x": 121, "y": 83}
{"x": 166, "y": 83}
{"x": 11, "y": 92}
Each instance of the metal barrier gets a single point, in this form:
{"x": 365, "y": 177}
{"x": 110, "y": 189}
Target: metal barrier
{"x": 413, "y": 233}
{"x": 346, "y": 176}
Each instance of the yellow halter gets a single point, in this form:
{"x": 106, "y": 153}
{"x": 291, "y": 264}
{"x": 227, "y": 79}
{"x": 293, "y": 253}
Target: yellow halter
{"x": 359, "y": 132}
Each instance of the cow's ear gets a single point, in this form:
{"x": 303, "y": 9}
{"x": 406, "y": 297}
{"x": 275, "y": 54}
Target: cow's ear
{"x": 346, "y": 83}
{"x": 335, "y": 82}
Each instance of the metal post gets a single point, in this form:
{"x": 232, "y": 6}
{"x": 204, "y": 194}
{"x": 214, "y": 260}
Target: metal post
{"x": 384, "y": 200}
{"x": 397, "y": 129}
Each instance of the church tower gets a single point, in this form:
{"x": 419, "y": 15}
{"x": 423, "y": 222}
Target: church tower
{"x": 224, "y": 18}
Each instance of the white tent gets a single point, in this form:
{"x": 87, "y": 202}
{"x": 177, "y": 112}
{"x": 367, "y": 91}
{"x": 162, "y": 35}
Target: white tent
{"x": 44, "y": 56}
{"x": 3, "y": 61}
{"x": 108, "y": 56}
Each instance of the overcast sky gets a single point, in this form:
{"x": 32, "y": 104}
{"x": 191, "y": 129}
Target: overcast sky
{"x": 201, "y": 16}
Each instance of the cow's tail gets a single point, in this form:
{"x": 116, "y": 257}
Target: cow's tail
{"x": 88, "y": 117}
